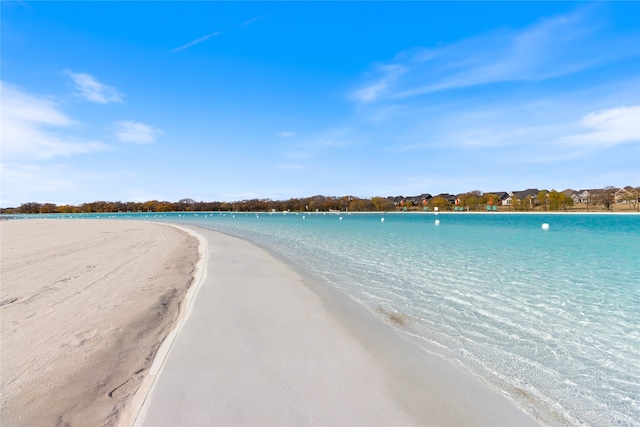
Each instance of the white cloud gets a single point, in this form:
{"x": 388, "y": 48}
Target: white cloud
{"x": 386, "y": 76}
{"x": 92, "y": 90}
{"x": 138, "y": 133}
{"x": 29, "y": 125}
{"x": 286, "y": 134}
{"x": 553, "y": 47}
{"x": 609, "y": 127}
{"x": 313, "y": 146}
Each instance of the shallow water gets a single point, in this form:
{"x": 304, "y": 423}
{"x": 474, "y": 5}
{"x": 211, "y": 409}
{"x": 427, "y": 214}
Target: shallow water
{"x": 551, "y": 318}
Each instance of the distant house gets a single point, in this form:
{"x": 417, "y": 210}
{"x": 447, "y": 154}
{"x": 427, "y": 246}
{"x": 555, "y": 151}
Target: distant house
{"x": 532, "y": 193}
{"x": 571, "y": 193}
{"x": 425, "y": 197}
{"x": 395, "y": 200}
{"x": 623, "y": 195}
{"x": 449, "y": 197}
{"x": 417, "y": 200}
{"x": 583, "y": 197}
{"x": 502, "y": 197}
{"x": 586, "y": 196}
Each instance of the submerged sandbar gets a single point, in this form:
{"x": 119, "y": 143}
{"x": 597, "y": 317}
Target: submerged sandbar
{"x": 265, "y": 345}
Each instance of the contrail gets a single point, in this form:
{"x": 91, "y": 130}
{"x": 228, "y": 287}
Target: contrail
{"x": 217, "y": 33}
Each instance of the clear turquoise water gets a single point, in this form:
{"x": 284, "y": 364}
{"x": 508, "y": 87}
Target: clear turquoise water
{"x": 551, "y": 318}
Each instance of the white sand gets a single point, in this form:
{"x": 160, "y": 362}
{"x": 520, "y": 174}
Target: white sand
{"x": 84, "y": 306}
{"x": 264, "y": 345}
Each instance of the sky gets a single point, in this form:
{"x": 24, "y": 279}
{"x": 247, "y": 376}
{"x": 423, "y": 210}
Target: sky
{"x": 225, "y": 101}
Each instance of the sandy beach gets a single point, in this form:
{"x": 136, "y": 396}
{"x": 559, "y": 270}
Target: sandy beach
{"x": 84, "y": 306}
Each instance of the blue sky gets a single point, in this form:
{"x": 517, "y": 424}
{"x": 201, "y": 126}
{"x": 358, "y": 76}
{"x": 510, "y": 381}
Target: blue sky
{"x": 135, "y": 101}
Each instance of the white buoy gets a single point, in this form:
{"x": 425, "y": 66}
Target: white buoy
{"x": 340, "y": 218}
{"x": 303, "y": 217}
{"x": 545, "y": 226}
{"x": 437, "y": 222}
{"x": 381, "y": 219}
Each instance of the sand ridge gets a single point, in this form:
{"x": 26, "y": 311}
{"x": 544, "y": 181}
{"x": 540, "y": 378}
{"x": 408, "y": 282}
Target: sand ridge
{"x": 84, "y": 307}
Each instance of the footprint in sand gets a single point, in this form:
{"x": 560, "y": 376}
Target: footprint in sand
{"x": 129, "y": 386}
{"x": 82, "y": 338}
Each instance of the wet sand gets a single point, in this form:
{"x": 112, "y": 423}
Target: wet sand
{"x": 265, "y": 345}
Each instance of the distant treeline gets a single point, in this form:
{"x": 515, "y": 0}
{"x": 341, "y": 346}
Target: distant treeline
{"x": 531, "y": 199}
{"x": 321, "y": 203}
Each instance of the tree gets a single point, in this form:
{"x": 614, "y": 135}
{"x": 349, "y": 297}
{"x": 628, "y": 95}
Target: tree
{"x": 382, "y": 204}
{"x": 606, "y": 198}
{"x": 163, "y": 207}
{"x": 542, "y": 199}
{"x": 471, "y": 200}
{"x": 489, "y": 199}
{"x": 518, "y": 204}
{"x": 555, "y": 197}
{"x": 441, "y": 203}
{"x": 150, "y": 206}
{"x": 558, "y": 200}
{"x": 67, "y": 209}
{"x": 632, "y": 196}
{"x": 31, "y": 207}
{"x": 566, "y": 202}
{"x": 356, "y": 205}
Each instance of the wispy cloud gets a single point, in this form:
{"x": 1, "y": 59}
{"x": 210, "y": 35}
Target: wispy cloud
{"x": 313, "y": 146}
{"x": 337, "y": 137}
{"x": 218, "y": 33}
{"x": 520, "y": 128}
{"x": 290, "y": 166}
{"x": 286, "y": 134}
{"x": 387, "y": 74}
{"x": 37, "y": 181}
{"x": 63, "y": 182}
{"x": 31, "y": 125}
{"x": 90, "y": 89}
{"x": 138, "y": 133}
{"x": 553, "y": 47}
{"x": 608, "y": 127}
{"x": 197, "y": 41}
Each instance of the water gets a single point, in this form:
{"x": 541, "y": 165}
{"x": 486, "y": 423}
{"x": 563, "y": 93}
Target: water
{"x": 550, "y": 318}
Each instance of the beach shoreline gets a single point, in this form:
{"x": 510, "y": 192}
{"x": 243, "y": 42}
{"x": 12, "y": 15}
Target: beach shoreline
{"x": 311, "y": 356}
